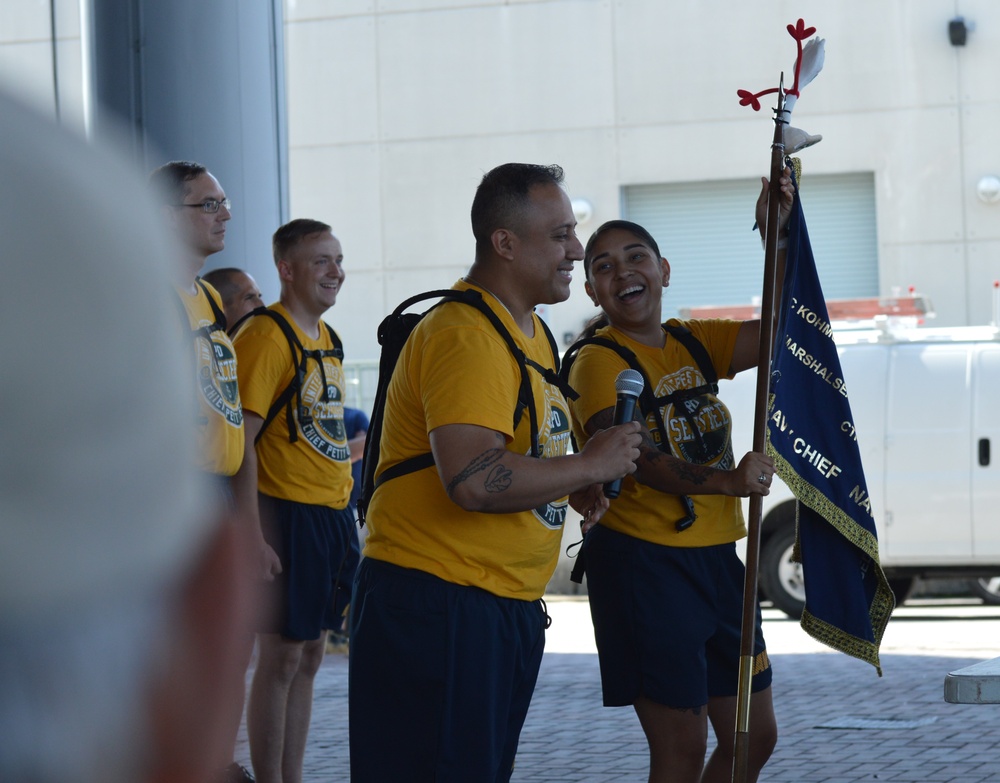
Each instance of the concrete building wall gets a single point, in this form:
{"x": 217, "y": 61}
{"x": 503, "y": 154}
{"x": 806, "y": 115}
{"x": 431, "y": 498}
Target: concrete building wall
{"x": 41, "y": 56}
{"x": 397, "y": 107}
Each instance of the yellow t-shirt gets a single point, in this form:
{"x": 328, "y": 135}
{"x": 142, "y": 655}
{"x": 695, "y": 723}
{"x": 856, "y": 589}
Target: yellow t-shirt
{"x": 641, "y": 511}
{"x": 316, "y": 468}
{"x": 456, "y": 369}
{"x": 219, "y": 421}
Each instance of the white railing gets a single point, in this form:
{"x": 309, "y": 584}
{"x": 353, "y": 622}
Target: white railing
{"x": 361, "y": 382}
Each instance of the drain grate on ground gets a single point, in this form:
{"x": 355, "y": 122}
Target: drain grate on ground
{"x": 876, "y": 723}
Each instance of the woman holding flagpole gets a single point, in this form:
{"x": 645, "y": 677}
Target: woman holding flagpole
{"x": 664, "y": 579}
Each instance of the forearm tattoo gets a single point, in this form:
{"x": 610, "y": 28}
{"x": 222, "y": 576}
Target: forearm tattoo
{"x": 497, "y": 480}
{"x": 650, "y": 454}
{"x": 696, "y": 474}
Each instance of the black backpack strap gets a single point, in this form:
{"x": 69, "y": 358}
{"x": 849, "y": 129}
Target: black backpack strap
{"x": 337, "y": 351}
{"x": 220, "y": 317}
{"x": 409, "y": 465}
{"x": 300, "y": 357}
{"x": 697, "y": 350}
{"x": 711, "y": 386}
{"x": 284, "y": 400}
{"x": 525, "y": 397}
{"x": 553, "y": 375}
{"x": 397, "y": 324}
{"x": 647, "y": 399}
{"x": 244, "y": 318}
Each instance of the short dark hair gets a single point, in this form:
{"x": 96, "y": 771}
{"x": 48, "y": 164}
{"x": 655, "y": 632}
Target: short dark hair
{"x": 169, "y": 180}
{"x": 293, "y": 232}
{"x": 222, "y": 281}
{"x": 617, "y": 225}
{"x": 503, "y": 195}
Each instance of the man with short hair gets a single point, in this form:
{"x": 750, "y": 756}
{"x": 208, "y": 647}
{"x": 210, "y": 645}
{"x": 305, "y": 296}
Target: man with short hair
{"x": 297, "y": 482}
{"x": 196, "y": 209}
{"x": 239, "y": 292}
{"x": 447, "y": 623}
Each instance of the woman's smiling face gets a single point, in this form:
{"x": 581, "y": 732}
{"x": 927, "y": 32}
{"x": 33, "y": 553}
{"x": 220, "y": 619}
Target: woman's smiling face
{"x": 626, "y": 277}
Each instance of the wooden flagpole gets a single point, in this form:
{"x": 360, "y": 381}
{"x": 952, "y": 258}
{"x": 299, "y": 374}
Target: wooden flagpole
{"x": 748, "y": 638}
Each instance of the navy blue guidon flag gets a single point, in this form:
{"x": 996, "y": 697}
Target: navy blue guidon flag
{"x": 848, "y": 601}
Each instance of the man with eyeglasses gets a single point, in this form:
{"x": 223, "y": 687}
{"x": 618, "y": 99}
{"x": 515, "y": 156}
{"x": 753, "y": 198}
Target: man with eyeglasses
{"x": 195, "y": 207}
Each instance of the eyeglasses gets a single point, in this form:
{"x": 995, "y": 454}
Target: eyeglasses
{"x": 210, "y": 205}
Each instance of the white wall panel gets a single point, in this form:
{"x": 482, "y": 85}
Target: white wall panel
{"x": 26, "y": 71}
{"x": 359, "y": 310}
{"x": 495, "y": 70}
{"x": 332, "y": 87}
{"x": 984, "y": 270}
{"x": 340, "y": 186}
{"x": 427, "y": 191}
{"x": 67, "y": 19}
{"x": 24, "y": 20}
{"x": 684, "y": 62}
{"x": 980, "y": 154}
{"x": 682, "y": 153}
{"x": 882, "y": 55}
{"x": 397, "y": 6}
{"x": 920, "y": 182}
{"x": 672, "y": 65}
{"x": 936, "y": 270}
{"x": 300, "y": 10}
{"x": 70, "y": 65}
{"x": 26, "y": 55}
{"x": 977, "y": 60}
{"x": 428, "y": 186}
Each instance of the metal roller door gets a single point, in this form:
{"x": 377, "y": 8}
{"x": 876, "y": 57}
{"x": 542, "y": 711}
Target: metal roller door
{"x": 704, "y": 230}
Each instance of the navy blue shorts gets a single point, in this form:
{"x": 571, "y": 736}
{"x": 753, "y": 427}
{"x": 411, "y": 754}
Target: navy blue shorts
{"x": 441, "y": 676}
{"x": 318, "y": 550}
{"x": 668, "y": 621}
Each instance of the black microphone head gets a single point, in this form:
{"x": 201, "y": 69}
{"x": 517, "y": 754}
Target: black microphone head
{"x": 629, "y": 382}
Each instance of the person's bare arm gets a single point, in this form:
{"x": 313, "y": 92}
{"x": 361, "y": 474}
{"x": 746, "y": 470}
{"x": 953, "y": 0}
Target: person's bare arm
{"x": 357, "y": 445}
{"x": 480, "y": 474}
{"x": 245, "y": 497}
{"x": 667, "y": 473}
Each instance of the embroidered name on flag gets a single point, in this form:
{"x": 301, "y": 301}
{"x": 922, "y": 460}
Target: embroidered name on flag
{"x": 811, "y": 437}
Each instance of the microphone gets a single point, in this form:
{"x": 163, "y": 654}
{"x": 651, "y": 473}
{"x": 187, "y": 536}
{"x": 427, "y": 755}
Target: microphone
{"x": 628, "y": 386}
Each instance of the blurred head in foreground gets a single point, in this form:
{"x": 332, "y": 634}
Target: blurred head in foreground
{"x": 120, "y": 589}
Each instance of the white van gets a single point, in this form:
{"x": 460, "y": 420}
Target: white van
{"x": 926, "y": 406}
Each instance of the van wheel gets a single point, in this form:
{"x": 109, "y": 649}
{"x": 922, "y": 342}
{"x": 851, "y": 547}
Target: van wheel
{"x": 780, "y": 578}
{"x": 988, "y": 589}
{"x": 901, "y": 587}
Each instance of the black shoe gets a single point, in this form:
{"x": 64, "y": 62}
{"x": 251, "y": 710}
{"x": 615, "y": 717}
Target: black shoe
{"x": 236, "y": 773}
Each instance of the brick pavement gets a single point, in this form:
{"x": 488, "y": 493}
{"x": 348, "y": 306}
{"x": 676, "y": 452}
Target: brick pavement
{"x": 915, "y": 736}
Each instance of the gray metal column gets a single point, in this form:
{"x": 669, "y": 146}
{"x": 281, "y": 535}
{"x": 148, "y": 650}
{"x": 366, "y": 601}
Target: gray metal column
{"x": 199, "y": 80}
